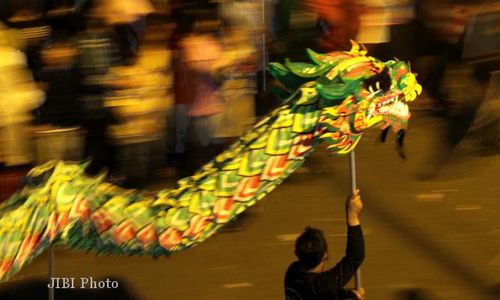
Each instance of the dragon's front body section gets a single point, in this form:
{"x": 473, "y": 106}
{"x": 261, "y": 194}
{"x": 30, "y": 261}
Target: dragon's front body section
{"x": 333, "y": 100}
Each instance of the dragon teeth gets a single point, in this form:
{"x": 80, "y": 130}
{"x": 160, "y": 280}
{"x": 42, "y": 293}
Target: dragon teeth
{"x": 390, "y": 106}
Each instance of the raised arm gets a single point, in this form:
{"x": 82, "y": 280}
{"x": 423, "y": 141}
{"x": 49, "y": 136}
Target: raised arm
{"x": 337, "y": 277}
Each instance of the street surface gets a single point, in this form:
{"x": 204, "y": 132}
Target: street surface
{"x": 441, "y": 234}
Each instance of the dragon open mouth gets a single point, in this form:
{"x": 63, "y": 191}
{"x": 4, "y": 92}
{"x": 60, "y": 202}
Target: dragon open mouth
{"x": 392, "y": 106}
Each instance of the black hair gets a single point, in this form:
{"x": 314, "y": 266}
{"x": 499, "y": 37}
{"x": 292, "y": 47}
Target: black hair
{"x": 310, "y": 248}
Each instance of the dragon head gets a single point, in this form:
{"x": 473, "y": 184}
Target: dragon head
{"x": 354, "y": 92}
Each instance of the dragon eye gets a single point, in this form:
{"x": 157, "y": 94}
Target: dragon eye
{"x": 381, "y": 81}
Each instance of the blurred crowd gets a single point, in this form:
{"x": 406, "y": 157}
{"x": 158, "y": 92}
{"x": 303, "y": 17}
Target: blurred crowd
{"x": 138, "y": 85}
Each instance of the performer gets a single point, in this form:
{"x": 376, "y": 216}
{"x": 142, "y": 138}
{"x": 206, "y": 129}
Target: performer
{"x": 306, "y": 279}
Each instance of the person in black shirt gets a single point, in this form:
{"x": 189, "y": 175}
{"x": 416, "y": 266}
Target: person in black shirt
{"x": 306, "y": 278}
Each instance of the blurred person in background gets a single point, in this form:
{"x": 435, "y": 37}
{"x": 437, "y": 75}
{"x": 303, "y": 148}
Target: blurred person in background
{"x": 374, "y": 31}
{"x": 407, "y": 39}
{"x": 270, "y": 21}
{"x": 138, "y": 101}
{"x": 479, "y": 115}
{"x": 59, "y": 78}
{"x": 338, "y": 22}
{"x": 19, "y": 96}
{"x": 127, "y": 19}
{"x": 238, "y": 66}
{"x": 27, "y": 17}
{"x": 444, "y": 24}
{"x": 283, "y": 15}
{"x": 101, "y": 46}
{"x": 261, "y": 14}
{"x": 456, "y": 87}
{"x": 158, "y": 59}
{"x": 182, "y": 86}
{"x": 96, "y": 54}
{"x": 261, "y": 36}
{"x": 246, "y": 15}
{"x": 200, "y": 50}
{"x": 390, "y": 29}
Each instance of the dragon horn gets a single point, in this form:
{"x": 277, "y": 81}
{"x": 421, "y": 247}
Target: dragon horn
{"x": 365, "y": 50}
{"x": 354, "y": 47}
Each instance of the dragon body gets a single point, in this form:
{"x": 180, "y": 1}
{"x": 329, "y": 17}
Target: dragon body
{"x": 334, "y": 99}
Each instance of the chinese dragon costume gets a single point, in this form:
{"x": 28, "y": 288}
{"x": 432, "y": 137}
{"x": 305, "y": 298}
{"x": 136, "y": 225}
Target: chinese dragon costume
{"x": 333, "y": 99}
